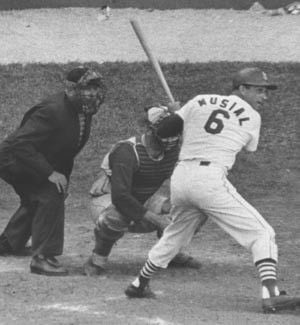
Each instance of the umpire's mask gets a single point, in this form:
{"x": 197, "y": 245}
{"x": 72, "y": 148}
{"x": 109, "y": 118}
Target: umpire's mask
{"x": 89, "y": 89}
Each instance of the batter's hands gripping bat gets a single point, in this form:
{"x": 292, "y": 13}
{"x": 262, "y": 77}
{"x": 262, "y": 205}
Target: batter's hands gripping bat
{"x": 138, "y": 31}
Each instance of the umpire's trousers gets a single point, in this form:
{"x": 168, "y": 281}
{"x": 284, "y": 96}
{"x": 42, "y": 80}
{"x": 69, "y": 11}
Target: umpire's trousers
{"x": 40, "y": 215}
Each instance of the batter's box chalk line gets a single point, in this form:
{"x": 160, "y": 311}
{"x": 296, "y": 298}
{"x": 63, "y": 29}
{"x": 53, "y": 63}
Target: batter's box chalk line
{"x": 72, "y": 308}
{"x": 87, "y": 310}
{"x": 155, "y": 321}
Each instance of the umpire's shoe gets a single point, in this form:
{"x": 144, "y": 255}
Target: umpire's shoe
{"x": 47, "y": 266}
{"x": 281, "y": 302}
{"x": 139, "y": 292}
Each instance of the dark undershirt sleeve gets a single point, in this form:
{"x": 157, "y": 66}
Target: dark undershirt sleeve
{"x": 124, "y": 164}
{"x": 170, "y": 126}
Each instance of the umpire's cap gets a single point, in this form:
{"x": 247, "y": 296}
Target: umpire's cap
{"x": 85, "y": 76}
{"x": 252, "y": 77}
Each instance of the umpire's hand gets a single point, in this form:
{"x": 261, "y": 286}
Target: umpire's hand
{"x": 60, "y": 181}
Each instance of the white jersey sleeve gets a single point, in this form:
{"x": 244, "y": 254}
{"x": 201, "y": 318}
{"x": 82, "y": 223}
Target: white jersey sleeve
{"x": 183, "y": 112}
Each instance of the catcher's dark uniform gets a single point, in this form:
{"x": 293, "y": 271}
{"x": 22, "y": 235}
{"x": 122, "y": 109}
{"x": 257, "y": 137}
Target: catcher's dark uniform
{"x": 48, "y": 139}
{"x": 135, "y": 178}
{"x": 135, "y": 181}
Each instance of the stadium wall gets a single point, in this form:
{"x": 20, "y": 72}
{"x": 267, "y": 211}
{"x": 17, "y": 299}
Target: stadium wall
{"x": 142, "y": 4}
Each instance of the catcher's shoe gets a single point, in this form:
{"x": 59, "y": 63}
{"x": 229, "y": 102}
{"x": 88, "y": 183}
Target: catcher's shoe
{"x": 185, "y": 261}
{"x": 90, "y": 269}
{"x": 138, "y": 292}
{"x": 281, "y": 302}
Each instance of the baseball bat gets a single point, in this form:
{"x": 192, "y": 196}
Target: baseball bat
{"x": 141, "y": 37}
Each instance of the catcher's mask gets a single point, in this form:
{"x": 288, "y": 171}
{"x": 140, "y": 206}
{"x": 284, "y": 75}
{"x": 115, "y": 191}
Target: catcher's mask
{"x": 88, "y": 87}
{"x": 155, "y": 115}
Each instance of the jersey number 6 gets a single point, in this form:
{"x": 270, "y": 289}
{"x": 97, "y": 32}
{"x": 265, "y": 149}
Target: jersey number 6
{"x": 215, "y": 124}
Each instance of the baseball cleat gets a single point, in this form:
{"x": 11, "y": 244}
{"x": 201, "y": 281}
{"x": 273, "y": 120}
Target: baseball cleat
{"x": 90, "y": 269}
{"x": 278, "y": 303}
{"x": 138, "y": 292}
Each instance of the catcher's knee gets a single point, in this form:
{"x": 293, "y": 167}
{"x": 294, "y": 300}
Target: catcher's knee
{"x": 105, "y": 238}
{"x": 113, "y": 220}
{"x": 103, "y": 232}
{"x": 98, "y": 205}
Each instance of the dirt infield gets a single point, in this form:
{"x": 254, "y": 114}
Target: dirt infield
{"x": 226, "y": 289}
{"x": 71, "y": 34}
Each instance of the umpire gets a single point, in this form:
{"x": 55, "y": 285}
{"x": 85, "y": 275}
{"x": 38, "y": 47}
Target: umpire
{"x": 37, "y": 161}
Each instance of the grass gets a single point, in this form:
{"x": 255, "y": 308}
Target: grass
{"x": 133, "y": 86}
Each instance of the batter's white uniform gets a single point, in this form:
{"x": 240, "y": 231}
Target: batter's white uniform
{"x": 215, "y": 129}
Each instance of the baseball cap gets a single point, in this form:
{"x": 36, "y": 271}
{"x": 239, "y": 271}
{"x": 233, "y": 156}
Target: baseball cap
{"x": 75, "y": 74}
{"x": 252, "y": 77}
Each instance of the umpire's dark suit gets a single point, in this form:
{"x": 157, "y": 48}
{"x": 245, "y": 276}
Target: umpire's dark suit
{"x": 46, "y": 141}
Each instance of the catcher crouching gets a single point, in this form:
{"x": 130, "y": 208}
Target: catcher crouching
{"x": 132, "y": 193}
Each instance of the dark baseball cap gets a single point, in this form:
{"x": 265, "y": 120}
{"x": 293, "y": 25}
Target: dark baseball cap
{"x": 85, "y": 76}
{"x": 75, "y": 74}
{"x": 252, "y": 77}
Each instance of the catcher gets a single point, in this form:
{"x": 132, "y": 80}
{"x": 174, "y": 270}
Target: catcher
{"x": 136, "y": 172}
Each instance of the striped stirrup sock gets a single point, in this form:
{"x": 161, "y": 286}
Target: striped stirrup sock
{"x": 267, "y": 270}
{"x": 146, "y": 274}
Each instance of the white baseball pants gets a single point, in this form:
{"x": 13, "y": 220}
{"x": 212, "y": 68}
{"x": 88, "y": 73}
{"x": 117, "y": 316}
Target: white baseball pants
{"x": 199, "y": 189}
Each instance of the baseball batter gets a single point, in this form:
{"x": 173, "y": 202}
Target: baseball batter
{"x": 215, "y": 129}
